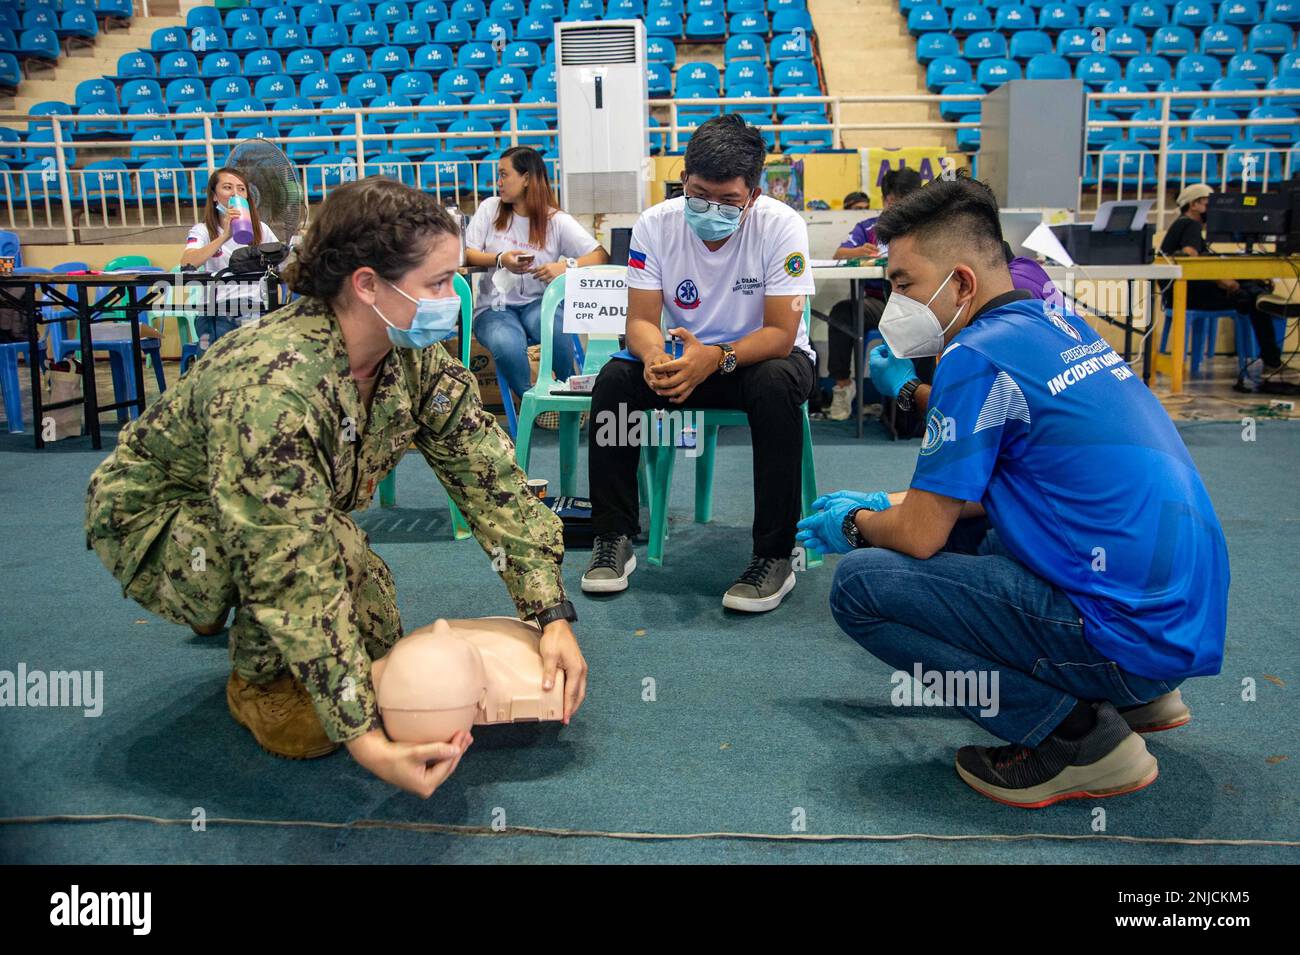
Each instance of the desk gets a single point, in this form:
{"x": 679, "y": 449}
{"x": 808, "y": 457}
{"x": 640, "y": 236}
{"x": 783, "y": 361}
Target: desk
{"x": 854, "y": 275}
{"x": 1067, "y": 277}
{"x": 108, "y": 296}
{"x": 1209, "y": 268}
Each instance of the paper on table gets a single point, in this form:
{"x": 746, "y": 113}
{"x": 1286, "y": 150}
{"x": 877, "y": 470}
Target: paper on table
{"x": 1044, "y": 241}
{"x": 828, "y": 263}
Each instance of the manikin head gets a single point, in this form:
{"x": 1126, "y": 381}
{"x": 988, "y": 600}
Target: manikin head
{"x": 454, "y": 674}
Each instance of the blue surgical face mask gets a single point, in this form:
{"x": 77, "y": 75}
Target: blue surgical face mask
{"x": 435, "y": 319}
{"x": 712, "y": 226}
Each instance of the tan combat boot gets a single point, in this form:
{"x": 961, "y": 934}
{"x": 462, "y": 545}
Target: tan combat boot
{"x": 280, "y": 716}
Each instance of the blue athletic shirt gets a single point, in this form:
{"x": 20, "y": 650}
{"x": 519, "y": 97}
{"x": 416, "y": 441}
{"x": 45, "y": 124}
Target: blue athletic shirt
{"x": 1086, "y": 481}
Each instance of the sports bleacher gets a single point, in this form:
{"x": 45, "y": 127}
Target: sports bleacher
{"x": 1134, "y": 49}
{"x": 281, "y": 57}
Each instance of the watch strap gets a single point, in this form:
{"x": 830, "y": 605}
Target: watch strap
{"x": 561, "y": 611}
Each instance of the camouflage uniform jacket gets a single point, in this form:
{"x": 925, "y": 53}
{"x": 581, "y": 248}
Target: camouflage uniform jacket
{"x": 270, "y": 431}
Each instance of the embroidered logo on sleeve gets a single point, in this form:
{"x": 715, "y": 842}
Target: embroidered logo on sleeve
{"x": 635, "y": 259}
{"x": 794, "y": 264}
{"x": 688, "y": 295}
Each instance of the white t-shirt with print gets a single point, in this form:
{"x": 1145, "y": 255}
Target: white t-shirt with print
{"x": 718, "y": 296}
{"x": 565, "y": 239}
{"x": 199, "y": 237}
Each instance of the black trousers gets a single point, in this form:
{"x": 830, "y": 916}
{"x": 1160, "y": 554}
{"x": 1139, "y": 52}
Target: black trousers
{"x": 1208, "y": 296}
{"x": 770, "y": 393}
{"x": 839, "y": 334}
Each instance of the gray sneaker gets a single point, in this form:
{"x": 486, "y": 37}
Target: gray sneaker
{"x": 612, "y": 561}
{"x": 762, "y": 586}
{"x": 1162, "y": 713}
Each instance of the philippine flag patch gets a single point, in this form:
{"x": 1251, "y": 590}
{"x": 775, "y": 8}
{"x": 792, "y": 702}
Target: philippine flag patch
{"x": 635, "y": 259}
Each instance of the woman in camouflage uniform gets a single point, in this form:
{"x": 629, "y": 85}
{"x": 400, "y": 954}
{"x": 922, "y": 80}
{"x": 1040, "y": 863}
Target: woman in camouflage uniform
{"x": 234, "y": 488}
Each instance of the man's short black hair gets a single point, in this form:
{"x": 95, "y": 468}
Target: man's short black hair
{"x": 898, "y": 183}
{"x": 853, "y": 197}
{"x": 961, "y": 213}
{"x": 726, "y": 147}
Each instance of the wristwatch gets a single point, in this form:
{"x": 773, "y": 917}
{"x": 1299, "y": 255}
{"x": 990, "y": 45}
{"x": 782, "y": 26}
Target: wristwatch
{"x": 904, "y": 399}
{"x": 850, "y": 528}
{"x": 570, "y": 263}
{"x": 561, "y": 611}
{"x": 727, "y": 363}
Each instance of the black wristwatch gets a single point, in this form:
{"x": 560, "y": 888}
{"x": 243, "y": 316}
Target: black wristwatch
{"x": 561, "y": 611}
{"x": 904, "y": 399}
{"x": 850, "y": 528}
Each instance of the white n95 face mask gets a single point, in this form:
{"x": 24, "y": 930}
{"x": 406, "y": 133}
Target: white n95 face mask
{"x": 911, "y": 329}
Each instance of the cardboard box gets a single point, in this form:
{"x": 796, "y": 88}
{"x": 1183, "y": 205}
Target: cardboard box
{"x": 484, "y": 369}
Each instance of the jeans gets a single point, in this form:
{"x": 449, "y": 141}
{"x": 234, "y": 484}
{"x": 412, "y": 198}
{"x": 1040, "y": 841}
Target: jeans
{"x": 974, "y": 607}
{"x": 508, "y": 331}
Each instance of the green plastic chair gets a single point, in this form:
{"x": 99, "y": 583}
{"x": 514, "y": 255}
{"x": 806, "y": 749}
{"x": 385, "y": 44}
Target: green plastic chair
{"x": 538, "y": 399}
{"x": 182, "y": 311}
{"x": 388, "y": 486}
{"x": 711, "y": 419}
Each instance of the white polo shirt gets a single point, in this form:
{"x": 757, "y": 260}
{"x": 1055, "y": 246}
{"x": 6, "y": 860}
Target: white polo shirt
{"x": 718, "y": 296}
{"x": 199, "y": 237}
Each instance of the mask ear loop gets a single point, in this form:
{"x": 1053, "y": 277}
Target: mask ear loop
{"x": 956, "y": 314}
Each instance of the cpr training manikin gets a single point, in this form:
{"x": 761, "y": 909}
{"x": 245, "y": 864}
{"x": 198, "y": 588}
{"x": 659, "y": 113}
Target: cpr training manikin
{"x": 454, "y": 674}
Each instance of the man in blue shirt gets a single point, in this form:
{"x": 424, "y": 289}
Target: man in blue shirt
{"x": 1056, "y": 568}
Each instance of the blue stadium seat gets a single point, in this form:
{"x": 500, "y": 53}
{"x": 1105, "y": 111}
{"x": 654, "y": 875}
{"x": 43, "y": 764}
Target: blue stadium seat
{"x": 1181, "y": 108}
{"x": 414, "y": 85}
{"x": 245, "y": 17}
{"x": 930, "y": 46}
{"x": 306, "y": 152}
{"x": 757, "y": 114}
{"x": 1059, "y": 16}
{"x": 133, "y": 91}
{"x": 523, "y": 55}
{"x": 391, "y": 12}
{"x": 509, "y": 81}
{"x": 1146, "y": 135}
{"x": 197, "y": 154}
{"x": 1238, "y": 104}
{"x": 495, "y": 118}
{"x": 178, "y": 91}
{"x": 393, "y": 166}
{"x": 963, "y": 110}
{"x": 699, "y": 73}
{"x": 262, "y": 63}
{"x": 1285, "y": 81}
{"x": 745, "y": 47}
{"x": 508, "y": 9}
{"x": 794, "y": 73}
{"x": 1173, "y": 41}
{"x": 476, "y": 147}
{"x": 1150, "y": 70}
{"x": 1126, "y": 41}
{"x": 237, "y": 123}
{"x": 1222, "y": 40}
{"x": 206, "y": 39}
{"x": 452, "y": 32}
{"x": 1270, "y": 38}
{"x": 383, "y": 102}
{"x": 1015, "y": 18}
{"x": 1190, "y": 161}
{"x": 275, "y": 86}
{"x": 985, "y": 45}
{"x": 970, "y": 18}
{"x": 353, "y": 13}
{"x": 178, "y": 63}
{"x": 496, "y": 33}
{"x": 705, "y": 26}
{"x": 549, "y": 8}
{"x": 477, "y": 56}
{"x": 80, "y": 23}
{"x": 40, "y": 43}
{"x": 94, "y": 91}
{"x": 319, "y": 86}
{"x": 313, "y": 14}
{"x": 221, "y": 63}
{"x": 1148, "y": 15}
{"x": 661, "y": 50}
{"x": 1074, "y": 43}
{"x": 1097, "y": 69}
{"x": 536, "y": 29}
{"x": 663, "y": 24}
{"x": 945, "y": 71}
{"x": 166, "y": 39}
{"x": 1127, "y": 162}
{"x": 927, "y": 18}
{"x": 546, "y": 115}
{"x": 302, "y": 62}
{"x": 250, "y": 38}
{"x": 1242, "y": 13}
{"x": 411, "y": 33}
{"x": 544, "y": 78}
{"x": 1276, "y": 135}
{"x": 1214, "y": 135}
{"x": 460, "y": 82}
{"x": 468, "y": 10}
{"x": 347, "y": 60}
{"x": 1027, "y": 44}
{"x": 789, "y": 46}
{"x": 325, "y": 36}
{"x": 288, "y": 36}
{"x": 136, "y": 64}
{"x": 368, "y": 86}
{"x": 586, "y": 9}
{"x": 1195, "y": 14}
{"x": 390, "y": 60}
{"x": 791, "y": 21}
{"x": 1283, "y": 11}
{"x": 805, "y": 140}
{"x": 368, "y": 36}
{"x": 1256, "y": 68}
{"x": 229, "y": 88}
{"x": 1196, "y": 66}
{"x": 686, "y": 91}
{"x": 753, "y": 23}
{"x": 1104, "y": 14}
{"x": 659, "y": 80}
{"x": 433, "y": 58}
{"x": 993, "y": 73}
{"x": 1265, "y": 167}
{"x": 747, "y": 73}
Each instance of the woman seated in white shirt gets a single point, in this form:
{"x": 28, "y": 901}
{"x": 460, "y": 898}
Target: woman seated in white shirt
{"x": 209, "y": 247}
{"x": 525, "y": 240}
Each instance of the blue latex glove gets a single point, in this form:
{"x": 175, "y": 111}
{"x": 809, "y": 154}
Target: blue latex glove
{"x": 875, "y": 501}
{"x": 889, "y": 374}
{"x": 824, "y": 530}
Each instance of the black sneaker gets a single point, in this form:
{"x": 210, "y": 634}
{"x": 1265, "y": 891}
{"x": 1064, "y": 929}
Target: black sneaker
{"x": 762, "y": 586}
{"x": 1109, "y": 761}
{"x": 612, "y": 561}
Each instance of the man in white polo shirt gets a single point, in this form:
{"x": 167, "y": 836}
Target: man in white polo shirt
{"x": 730, "y": 269}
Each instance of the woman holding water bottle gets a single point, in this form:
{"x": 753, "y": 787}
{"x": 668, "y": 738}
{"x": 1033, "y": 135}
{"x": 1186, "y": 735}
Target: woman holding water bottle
{"x": 525, "y": 240}
{"x": 230, "y": 221}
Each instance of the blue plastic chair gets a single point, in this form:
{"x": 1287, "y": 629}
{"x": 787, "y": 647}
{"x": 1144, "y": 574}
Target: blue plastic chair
{"x": 1204, "y": 327}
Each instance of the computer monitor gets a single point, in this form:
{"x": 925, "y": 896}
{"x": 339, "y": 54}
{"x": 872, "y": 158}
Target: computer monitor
{"x": 1246, "y": 217}
{"x": 620, "y": 240}
{"x": 1290, "y": 244}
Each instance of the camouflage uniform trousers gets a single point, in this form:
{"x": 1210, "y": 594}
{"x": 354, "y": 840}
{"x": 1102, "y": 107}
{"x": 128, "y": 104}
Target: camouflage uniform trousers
{"x": 194, "y": 587}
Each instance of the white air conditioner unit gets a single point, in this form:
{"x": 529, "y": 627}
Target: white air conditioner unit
{"x": 601, "y": 99}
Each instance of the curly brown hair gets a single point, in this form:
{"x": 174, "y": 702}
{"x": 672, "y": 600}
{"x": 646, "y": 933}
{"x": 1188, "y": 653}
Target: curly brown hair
{"x": 375, "y": 222}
